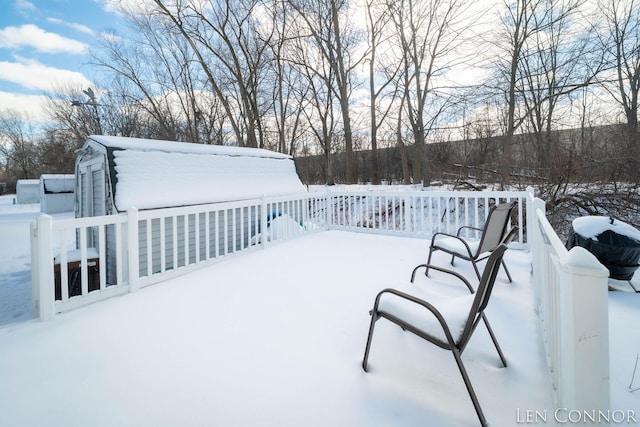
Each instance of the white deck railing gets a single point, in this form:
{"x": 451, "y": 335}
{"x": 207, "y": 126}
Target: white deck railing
{"x": 570, "y": 296}
{"x": 83, "y": 260}
{"x": 138, "y": 248}
{"x": 111, "y": 255}
{"x": 418, "y": 213}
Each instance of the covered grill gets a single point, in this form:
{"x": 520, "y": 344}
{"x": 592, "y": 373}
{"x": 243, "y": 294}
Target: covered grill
{"x": 614, "y": 243}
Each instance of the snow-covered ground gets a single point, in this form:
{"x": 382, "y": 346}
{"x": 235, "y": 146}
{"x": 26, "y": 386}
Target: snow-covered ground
{"x": 276, "y": 338}
{"x": 15, "y": 258}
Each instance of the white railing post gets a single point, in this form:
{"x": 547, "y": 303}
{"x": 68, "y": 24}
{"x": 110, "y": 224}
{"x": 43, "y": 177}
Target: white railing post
{"x": 264, "y": 220}
{"x": 584, "y": 333}
{"x": 328, "y": 209}
{"x": 529, "y": 213}
{"x": 536, "y": 245}
{"x": 43, "y": 280}
{"x": 35, "y": 269}
{"x": 407, "y": 214}
{"x": 133, "y": 259}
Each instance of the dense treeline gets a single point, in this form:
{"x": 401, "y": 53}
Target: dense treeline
{"x": 362, "y": 91}
{"x": 591, "y": 155}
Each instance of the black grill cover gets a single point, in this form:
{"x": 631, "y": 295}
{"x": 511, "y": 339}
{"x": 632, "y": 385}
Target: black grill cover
{"x": 619, "y": 253}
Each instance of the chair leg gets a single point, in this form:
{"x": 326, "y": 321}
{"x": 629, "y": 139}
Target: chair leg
{"x": 413, "y": 273}
{"x": 374, "y": 318}
{"x": 495, "y": 341}
{"x": 426, "y": 272}
{"x": 506, "y": 271}
{"x": 475, "y": 267}
{"x": 467, "y": 383}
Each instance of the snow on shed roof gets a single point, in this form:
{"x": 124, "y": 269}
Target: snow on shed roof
{"x": 158, "y": 174}
{"x": 182, "y": 147}
{"x": 58, "y": 183}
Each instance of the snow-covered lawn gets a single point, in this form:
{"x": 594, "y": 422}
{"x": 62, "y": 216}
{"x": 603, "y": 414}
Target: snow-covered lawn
{"x": 275, "y": 338}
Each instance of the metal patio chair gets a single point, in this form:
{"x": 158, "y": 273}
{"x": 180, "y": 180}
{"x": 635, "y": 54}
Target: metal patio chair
{"x": 449, "y": 325}
{"x": 493, "y": 233}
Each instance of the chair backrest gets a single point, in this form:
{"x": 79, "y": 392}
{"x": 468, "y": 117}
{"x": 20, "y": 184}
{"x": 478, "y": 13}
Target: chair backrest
{"x": 483, "y": 293}
{"x": 495, "y": 226}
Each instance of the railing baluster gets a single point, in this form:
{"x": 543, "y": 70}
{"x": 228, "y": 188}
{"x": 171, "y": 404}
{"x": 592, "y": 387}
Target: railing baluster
{"x": 216, "y": 230}
{"x": 207, "y": 237}
{"x": 64, "y": 268}
{"x": 102, "y": 244}
{"x": 149, "y": 250}
{"x": 187, "y": 239}
{"x": 163, "y": 245}
{"x": 196, "y": 229}
{"x": 84, "y": 276}
{"x": 119, "y": 255}
{"x": 174, "y": 231}
{"x": 226, "y": 231}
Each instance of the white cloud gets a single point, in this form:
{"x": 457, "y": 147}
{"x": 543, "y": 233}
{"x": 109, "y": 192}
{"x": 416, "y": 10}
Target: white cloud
{"x": 125, "y": 7}
{"x": 34, "y": 75}
{"x": 30, "y": 35}
{"x": 78, "y": 27}
{"x": 25, "y": 5}
{"x": 29, "y": 104}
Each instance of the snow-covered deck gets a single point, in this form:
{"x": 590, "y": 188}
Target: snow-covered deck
{"x": 273, "y": 338}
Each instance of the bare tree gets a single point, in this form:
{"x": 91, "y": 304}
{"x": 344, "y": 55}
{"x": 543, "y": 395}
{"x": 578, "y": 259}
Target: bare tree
{"x": 327, "y": 26}
{"x": 519, "y": 26}
{"x": 65, "y": 115}
{"x": 57, "y": 152}
{"x": 381, "y": 77}
{"x": 18, "y": 148}
{"x": 224, "y": 35}
{"x": 620, "y": 42}
{"x": 316, "y": 98}
{"x": 287, "y": 108}
{"x": 427, "y": 34}
{"x": 148, "y": 70}
{"x": 553, "y": 67}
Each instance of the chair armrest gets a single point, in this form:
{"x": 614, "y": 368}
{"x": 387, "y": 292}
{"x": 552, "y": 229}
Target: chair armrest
{"x": 466, "y": 245}
{"x": 451, "y": 272}
{"x": 433, "y": 238}
{"x": 467, "y": 227}
{"x": 421, "y": 302}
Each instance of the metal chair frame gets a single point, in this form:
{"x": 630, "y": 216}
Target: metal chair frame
{"x": 492, "y": 235}
{"x": 456, "y": 346}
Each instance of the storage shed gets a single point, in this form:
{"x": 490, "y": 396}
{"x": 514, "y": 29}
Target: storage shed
{"x": 57, "y": 193}
{"x": 114, "y": 174}
{"x": 27, "y": 191}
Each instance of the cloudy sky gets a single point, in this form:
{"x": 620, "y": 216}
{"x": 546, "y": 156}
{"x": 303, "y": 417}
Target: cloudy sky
{"x": 44, "y": 44}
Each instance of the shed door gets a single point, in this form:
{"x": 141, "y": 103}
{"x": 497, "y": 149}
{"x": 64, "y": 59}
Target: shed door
{"x": 92, "y": 189}
{"x": 92, "y": 194}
